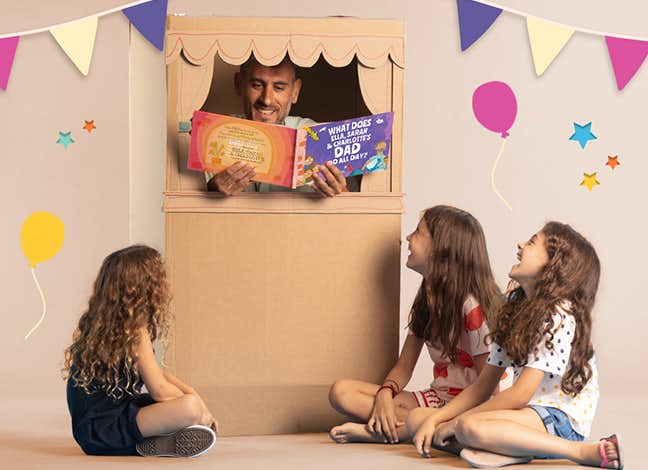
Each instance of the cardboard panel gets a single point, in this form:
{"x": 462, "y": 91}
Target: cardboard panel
{"x": 271, "y": 309}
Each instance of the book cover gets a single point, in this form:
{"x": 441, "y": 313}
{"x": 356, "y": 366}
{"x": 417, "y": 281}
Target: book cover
{"x": 289, "y": 157}
{"x": 355, "y": 146}
{"x": 218, "y": 141}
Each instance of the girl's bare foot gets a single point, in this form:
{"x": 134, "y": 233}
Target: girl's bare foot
{"x": 354, "y": 432}
{"x": 607, "y": 449}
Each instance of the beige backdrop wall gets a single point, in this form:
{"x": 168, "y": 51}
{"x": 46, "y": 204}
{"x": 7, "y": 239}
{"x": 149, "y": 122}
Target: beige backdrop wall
{"x": 447, "y": 160}
{"x": 87, "y": 186}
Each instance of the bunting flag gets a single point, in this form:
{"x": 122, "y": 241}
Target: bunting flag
{"x": 150, "y": 20}
{"x": 7, "y": 53}
{"x": 547, "y": 40}
{"x": 626, "y": 56}
{"x": 77, "y": 41}
{"x": 474, "y": 20}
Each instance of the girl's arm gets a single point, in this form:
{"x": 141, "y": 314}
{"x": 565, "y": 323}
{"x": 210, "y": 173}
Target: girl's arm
{"x": 402, "y": 371}
{"x": 513, "y": 398}
{"x": 184, "y": 388}
{"x": 480, "y": 362}
{"x": 516, "y": 397}
{"x": 475, "y": 394}
{"x": 383, "y": 418}
{"x": 158, "y": 386}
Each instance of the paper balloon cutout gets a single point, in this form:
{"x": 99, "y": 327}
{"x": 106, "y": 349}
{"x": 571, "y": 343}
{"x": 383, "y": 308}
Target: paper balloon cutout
{"x": 495, "y": 108}
{"x": 41, "y": 238}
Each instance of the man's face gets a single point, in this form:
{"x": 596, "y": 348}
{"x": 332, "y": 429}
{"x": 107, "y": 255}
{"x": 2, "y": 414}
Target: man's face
{"x": 267, "y": 92}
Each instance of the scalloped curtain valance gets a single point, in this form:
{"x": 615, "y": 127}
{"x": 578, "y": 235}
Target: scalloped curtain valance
{"x": 338, "y": 40}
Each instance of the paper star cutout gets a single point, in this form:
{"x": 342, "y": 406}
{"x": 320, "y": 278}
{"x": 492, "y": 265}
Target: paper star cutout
{"x": 613, "y": 161}
{"x": 89, "y": 126}
{"x": 589, "y": 181}
{"x": 65, "y": 139}
{"x": 582, "y": 134}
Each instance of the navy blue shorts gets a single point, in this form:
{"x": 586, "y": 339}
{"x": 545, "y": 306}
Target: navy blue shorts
{"x": 557, "y": 423}
{"x": 113, "y": 431}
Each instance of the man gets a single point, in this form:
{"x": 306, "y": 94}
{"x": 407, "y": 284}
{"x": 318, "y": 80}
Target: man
{"x": 267, "y": 94}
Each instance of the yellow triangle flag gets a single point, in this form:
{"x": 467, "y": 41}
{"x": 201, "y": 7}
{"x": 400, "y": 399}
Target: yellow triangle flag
{"x": 547, "y": 40}
{"x": 77, "y": 41}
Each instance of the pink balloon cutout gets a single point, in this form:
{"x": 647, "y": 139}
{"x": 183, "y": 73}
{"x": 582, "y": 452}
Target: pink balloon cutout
{"x": 495, "y": 107}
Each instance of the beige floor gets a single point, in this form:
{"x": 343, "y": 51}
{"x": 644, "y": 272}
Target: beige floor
{"x": 34, "y": 433}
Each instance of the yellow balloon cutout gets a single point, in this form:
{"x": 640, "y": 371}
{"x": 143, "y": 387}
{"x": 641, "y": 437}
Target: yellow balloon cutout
{"x": 41, "y": 238}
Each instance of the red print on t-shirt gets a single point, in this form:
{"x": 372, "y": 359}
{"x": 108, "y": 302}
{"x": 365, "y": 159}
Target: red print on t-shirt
{"x": 474, "y": 319}
{"x": 454, "y": 391}
{"x": 463, "y": 358}
{"x": 440, "y": 370}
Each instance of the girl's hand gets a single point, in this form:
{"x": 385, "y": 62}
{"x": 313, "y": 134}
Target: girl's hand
{"x": 444, "y": 432}
{"x": 422, "y": 440}
{"x": 208, "y": 420}
{"x": 383, "y": 417}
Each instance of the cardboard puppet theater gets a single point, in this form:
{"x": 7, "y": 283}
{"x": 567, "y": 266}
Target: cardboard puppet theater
{"x": 278, "y": 295}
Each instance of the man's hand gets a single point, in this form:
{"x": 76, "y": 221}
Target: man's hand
{"x": 233, "y": 179}
{"x": 335, "y": 182}
{"x": 422, "y": 440}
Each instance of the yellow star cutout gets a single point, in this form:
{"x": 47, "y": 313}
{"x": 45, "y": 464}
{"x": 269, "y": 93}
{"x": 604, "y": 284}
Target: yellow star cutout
{"x": 589, "y": 181}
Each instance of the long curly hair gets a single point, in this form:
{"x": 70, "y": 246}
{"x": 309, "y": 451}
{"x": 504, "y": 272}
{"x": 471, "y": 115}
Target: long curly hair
{"x": 130, "y": 292}
{"x": 569, "y": 280}
{"x": 458, "y": 266}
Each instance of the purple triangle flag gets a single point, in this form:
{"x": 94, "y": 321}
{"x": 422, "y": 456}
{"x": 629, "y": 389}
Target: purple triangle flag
{"x": 150, "y": 20}
{"x": 626, "y": 55}
{"x": 7, "y": 53}
{"x": 474, "y": 20}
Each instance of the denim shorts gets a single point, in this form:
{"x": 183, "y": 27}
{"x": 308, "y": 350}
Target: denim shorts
{"x": 557, "y": 423}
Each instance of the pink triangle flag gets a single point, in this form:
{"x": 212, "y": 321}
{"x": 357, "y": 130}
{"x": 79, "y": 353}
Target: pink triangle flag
{"x": 7, "y": 53}
{"x": 626, "y": 55}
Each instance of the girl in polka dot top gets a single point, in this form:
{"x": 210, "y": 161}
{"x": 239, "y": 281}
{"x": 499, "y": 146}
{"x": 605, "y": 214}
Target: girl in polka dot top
{"x": 457, "y": 293}
{"x": 543, "y": 332}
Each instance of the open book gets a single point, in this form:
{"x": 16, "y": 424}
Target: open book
{"x": 289, "y": 157}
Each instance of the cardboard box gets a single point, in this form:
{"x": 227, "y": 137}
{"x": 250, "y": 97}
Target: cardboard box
{"x": 278, "y": 295}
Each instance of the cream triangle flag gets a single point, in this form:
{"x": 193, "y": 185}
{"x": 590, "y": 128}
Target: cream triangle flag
{"x": 547, "y": 40}
{"x": 77, "y": 40}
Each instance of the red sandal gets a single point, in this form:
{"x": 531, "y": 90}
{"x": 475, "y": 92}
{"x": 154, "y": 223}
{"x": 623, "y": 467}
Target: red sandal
{"x": 615, "y": 439}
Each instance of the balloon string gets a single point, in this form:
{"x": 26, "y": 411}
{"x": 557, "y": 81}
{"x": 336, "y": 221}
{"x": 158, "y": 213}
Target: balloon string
{"x": 40, "y": 291}
{"x": 501, "y": 150}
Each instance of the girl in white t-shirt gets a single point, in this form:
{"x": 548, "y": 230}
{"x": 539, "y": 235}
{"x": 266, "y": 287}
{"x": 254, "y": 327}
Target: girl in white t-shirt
{"x": 543, "y": 332}
{"x": 449, "y": 315}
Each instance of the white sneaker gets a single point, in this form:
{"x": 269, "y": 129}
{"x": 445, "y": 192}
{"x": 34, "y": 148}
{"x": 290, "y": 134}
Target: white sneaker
{"x": 188, "y": 442}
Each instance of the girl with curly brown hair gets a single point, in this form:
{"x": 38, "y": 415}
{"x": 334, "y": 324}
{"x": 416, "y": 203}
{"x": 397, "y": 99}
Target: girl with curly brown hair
{"x": 449, "y": 316}
{"x": 543, "y": 331}
{"x": 112, "y": 355}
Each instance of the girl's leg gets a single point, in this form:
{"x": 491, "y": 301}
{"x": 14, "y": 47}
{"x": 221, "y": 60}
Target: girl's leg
{"x": 170, "y": 416}
{"x": 355, "y": 398}
{"x": 522, "y": 433}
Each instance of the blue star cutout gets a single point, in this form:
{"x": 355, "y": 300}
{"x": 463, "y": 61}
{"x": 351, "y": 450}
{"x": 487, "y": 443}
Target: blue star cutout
{"x": 65, "y": 139}
{"x": 582, "y": 134}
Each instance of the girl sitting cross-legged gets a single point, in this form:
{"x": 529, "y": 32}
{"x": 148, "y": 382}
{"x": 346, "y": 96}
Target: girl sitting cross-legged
{"x": 543, "y": 331}
{"x": 457, "y": 294}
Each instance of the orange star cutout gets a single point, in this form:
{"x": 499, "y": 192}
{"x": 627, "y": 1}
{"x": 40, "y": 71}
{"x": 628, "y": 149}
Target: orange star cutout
{"x": 589, "y": 181}
{"x": 613, "y": 161}
{"x": 89, "y": 126}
